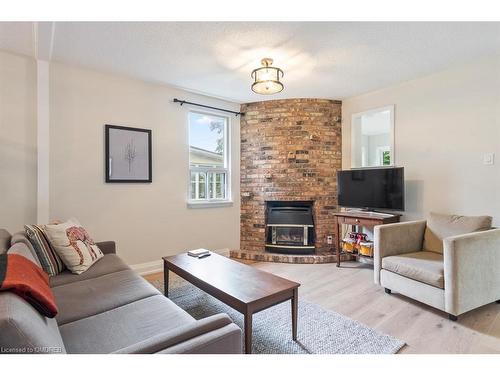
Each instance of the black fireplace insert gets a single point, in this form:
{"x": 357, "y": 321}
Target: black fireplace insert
{"x": 290, "y": 227}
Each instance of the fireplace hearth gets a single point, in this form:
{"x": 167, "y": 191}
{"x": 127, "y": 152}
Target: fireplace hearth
{"x": 290, "y": 227}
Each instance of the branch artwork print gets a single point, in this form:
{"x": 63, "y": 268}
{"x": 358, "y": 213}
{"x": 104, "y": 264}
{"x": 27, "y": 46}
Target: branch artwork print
{"x": 130, "y": 154}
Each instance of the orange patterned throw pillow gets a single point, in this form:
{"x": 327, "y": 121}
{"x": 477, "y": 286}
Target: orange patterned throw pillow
{"x": 73, "y": 245}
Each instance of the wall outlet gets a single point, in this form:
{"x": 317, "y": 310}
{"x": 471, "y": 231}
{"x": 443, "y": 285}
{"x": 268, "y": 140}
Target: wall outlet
{"x": 489, "y": 159}
{"x": 329, "y": 240}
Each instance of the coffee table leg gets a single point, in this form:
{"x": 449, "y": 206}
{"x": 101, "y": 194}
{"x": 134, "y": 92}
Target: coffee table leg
{"x": 295, "y": 303}
{"x": 165, "y": 280}
{"x": 248, "y": 333}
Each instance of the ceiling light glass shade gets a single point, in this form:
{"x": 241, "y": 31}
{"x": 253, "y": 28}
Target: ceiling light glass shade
{"x": 267, "y": 78}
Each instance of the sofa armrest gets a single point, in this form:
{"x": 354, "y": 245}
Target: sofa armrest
{"x": 471, "y": 270}
{"x": 396, "y": 239}
{"x": 225, "y": 340}
{"x": 215, "y": 334}
{"x": 107, "y": 247}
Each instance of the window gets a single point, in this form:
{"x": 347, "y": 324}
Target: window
{"x": 208, "y": 158}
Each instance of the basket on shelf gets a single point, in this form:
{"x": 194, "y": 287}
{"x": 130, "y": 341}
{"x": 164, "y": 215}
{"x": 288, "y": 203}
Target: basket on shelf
{"x": 366, "y": 248}
{"x": 349, "y": 245}
{"x": 356, "y": 242}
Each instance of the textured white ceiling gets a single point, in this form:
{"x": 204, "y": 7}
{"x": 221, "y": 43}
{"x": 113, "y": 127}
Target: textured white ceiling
{"x": 17, "y": 37}
{"x": 322, "y": 59}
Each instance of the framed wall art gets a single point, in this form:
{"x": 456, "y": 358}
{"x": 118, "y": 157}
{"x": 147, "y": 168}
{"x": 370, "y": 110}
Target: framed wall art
{"x": 127, "y": 154}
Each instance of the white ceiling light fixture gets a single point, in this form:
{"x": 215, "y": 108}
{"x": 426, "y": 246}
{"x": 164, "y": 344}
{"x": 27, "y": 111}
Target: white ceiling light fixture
{"x": 267, "y": 78}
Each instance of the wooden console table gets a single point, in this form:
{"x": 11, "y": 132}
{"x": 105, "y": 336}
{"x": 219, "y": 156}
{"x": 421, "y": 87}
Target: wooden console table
{"x": 360, "y": 219}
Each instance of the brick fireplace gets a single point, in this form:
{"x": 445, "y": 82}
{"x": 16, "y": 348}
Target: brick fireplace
{"x": 290, "y": 151}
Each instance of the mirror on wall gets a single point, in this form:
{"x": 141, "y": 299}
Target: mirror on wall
{"x": 372, "y": 138}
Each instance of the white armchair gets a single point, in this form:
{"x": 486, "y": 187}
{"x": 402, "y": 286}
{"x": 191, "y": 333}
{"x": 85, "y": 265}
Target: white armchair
{"x": 466, "y": 275}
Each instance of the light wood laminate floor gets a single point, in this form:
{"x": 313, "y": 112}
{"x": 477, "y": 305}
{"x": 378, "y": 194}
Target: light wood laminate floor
{"x": 350, "y": 290}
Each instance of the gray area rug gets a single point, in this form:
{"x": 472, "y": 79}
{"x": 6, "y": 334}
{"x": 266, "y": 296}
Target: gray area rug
{"x": 320, "y": 331}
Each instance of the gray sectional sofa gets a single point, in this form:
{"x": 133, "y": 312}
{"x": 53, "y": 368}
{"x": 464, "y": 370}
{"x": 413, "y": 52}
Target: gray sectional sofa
{"x": 107, "y": 309}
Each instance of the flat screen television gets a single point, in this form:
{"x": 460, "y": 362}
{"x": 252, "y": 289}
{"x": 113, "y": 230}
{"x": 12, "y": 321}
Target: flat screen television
{"x": 374, "y": 188}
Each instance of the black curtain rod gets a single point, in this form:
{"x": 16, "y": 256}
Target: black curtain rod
{"x": 181, "y": 102}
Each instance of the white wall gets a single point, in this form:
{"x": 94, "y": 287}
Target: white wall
{"x": 444, "y": 123}
{"x": 18, "y": 174}
{"x": 148, "y": 221}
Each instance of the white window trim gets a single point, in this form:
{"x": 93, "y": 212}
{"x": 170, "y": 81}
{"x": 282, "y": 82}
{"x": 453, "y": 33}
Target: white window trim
{"x": 209, "y": 203}
{"x": 212, "y": 202}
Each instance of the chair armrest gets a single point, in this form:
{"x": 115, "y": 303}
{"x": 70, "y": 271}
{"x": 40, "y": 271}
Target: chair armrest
{"x": 218, "y": 324}
{"x": 107, "y": 247}
{"x": 396, "y": 239}
{"x": 471, "y": 270}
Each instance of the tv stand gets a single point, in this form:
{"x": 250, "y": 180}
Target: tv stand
{"x": 359, "y": 219}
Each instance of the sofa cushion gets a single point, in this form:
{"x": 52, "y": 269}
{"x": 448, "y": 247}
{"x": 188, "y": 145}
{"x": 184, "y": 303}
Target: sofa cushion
{"x": 21, "y": 249}
{"x": 73, "y": 244}
{"x": 108, "y": 264}
{"x": 22, "y": 328}
{"x": 25, "y": 330}
{"x": 126, "y": 325}
{"x": 50, "y": 261}
{"x": 424, "y": 266}
{"x": 4, "y": 241}
{"x": 18, "y": 241}
{"x": 441, "y": 226}
{"x": 85, "y": 298}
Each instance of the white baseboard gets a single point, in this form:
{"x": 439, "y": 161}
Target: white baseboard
{"x": 157, "y": 265}
{"x": 148, "y": 268}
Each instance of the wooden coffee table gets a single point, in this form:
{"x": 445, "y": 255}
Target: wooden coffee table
{"x": 244, "y": 288}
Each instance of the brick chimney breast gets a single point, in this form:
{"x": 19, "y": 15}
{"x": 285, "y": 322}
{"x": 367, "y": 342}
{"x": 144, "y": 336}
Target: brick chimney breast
{"x": 291, "y": 149}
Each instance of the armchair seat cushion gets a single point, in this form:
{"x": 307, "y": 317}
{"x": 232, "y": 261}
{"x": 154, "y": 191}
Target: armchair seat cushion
{"x": 424, "y": 266}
